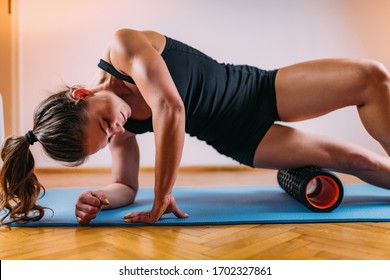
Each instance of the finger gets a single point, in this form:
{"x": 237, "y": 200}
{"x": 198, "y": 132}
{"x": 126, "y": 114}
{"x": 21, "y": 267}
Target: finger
{"x": 84, "y": 218}
{"x": 102, "y": 197}
{"x": 175, "y": 210}
{"x": 140, "y": 217}
{"x": 128, "y": 215}
{"x": 136, "y": 214}
{"x": 83, "y": 222}
{"x": 180, "y": 214}
{"x": 87, "y": 208}
{"x": 89, "y": 198}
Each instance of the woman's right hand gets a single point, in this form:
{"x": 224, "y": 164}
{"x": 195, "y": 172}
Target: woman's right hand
{"x": 89, "y": 204}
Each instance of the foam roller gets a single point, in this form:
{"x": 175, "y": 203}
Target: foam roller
{"x": 317, "y": 189}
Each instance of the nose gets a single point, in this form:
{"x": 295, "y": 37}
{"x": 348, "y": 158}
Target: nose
{"x": 116, "y": 128}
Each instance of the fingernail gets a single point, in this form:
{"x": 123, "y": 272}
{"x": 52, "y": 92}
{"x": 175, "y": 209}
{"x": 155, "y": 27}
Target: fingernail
{"x": 127, "y": 215}
{"x": 106, "y": 202}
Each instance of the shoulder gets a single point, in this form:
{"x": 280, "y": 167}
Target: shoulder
{"x": 130, "y": 42}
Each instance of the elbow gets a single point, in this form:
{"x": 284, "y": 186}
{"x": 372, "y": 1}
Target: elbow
{"x": 176, "y": 114}
{"x": 169, "y": 118}
{"x": 132, "y": 194}
{"x": 173, "y": 109}
{"x": 178, "y": 109}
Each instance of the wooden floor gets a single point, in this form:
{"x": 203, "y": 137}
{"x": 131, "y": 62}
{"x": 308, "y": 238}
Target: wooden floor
{"x": 269, "y": 241}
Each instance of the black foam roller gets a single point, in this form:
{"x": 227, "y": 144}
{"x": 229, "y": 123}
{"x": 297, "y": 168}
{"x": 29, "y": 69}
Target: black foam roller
{"x": 317, "y": 189}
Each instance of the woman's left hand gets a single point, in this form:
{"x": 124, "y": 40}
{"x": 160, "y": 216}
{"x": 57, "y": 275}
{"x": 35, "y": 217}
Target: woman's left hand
{"x": 160, "y": 207}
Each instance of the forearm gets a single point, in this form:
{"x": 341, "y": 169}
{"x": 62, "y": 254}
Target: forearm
{"x": 169, "y": 137}
{"x": 118, "y": 195}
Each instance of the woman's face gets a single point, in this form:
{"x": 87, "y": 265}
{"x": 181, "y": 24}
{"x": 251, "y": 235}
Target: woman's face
{"x": 106, "y": 115}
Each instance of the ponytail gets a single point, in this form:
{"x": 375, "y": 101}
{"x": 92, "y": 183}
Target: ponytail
{"x": 58, "y": 125}
{"x": 19, "y": 186}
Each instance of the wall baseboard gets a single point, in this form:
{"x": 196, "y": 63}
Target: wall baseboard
{"x": 212, "y": 168}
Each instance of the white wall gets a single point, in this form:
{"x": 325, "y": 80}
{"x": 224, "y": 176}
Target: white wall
{"x": 62, "y": 41}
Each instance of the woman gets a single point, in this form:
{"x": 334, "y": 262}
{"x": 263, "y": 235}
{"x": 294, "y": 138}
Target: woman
{"x": 150, "y": 82}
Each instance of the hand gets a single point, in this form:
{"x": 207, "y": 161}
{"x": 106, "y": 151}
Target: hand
{"x": 89, "y": 205}
{"x": 160, "y": 207}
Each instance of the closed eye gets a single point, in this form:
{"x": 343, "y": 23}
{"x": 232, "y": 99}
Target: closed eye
{"x": 105, "y": 127}
{"x": 107, "y": 122}
{"x": 107, "y": 130}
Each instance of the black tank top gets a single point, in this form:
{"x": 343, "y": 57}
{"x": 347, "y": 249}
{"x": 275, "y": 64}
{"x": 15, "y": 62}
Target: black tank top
{"x": 220, "y": 99}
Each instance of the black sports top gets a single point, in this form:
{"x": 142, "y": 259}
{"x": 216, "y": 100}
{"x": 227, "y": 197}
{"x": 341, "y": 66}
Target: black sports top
{"x": 132, "y": 125}
{"x": 226, "y": 105}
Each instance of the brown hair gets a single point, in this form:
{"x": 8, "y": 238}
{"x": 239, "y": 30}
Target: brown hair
{"x": 59, "y": 126}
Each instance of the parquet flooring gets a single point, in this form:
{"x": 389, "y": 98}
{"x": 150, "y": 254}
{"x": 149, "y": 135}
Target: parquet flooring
{"x": 332, "y": 241}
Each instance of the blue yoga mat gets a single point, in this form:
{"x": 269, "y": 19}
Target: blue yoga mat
{"x": 225, "y": 205}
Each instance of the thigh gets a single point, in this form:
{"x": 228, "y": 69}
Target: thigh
{"x": 311, "y": 89}
{"x": 286, "y": 147}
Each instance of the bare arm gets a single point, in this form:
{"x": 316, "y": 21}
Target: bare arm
{"x": 134, "y": 55}
{"x": 125, "y": 168}
{"x": 122, "y": 190}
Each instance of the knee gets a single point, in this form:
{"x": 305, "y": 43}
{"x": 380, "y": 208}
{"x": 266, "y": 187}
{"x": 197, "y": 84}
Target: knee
{"x": 378, "y": 73}
{"x": 356, "y": 162}
{"x": 375, "y": 78}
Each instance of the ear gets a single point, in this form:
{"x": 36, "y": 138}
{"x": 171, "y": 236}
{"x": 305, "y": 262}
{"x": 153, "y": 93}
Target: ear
{"x": 81, "y": 93}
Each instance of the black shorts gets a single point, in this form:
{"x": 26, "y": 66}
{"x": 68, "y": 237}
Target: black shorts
{"x": 231, "y": 107}
{"x": 247, "y": 129}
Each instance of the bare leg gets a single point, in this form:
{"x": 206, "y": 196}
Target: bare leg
{"x": 315, "y": 88}
{"x": 286, "y": 147}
